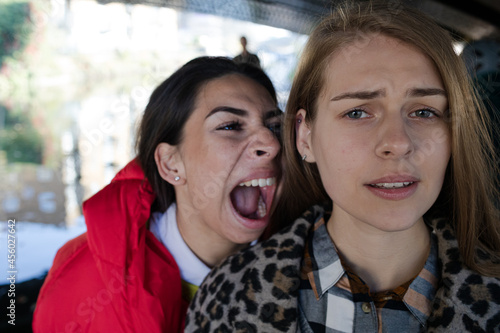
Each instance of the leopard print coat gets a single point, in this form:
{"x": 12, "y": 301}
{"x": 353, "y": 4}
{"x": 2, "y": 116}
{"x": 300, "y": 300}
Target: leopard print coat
{"x": 256, "y": 290}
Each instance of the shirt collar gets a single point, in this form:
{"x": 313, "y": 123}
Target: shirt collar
{"x": 421, "y": 292}
{"x": 325, "y": 266}
{"x": 164, "y": 227}
{"x": 324, "y": 270}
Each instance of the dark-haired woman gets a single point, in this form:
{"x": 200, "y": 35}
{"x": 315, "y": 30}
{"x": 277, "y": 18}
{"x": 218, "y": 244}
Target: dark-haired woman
{"x": 200, "y": 189}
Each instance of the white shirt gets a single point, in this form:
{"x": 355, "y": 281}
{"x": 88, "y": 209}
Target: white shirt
{"x": 164, "y": 227}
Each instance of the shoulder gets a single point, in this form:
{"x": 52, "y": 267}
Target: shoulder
{"x": 73, "y": 250}
{"x": 465, "y": 300}
{"x": 253, "y": 59}
{"x": 88, "y": 295}
{"x": 72, "y": 261}
{"x": 255, "y": 289}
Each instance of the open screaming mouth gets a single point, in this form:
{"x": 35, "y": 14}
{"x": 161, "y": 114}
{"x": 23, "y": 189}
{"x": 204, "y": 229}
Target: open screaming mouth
{"x": 252, "y": 198}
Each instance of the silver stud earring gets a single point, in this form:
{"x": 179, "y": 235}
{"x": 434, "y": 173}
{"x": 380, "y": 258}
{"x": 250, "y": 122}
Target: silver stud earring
{"x": 177, "y": 178}
{"x": 304, "y": 157}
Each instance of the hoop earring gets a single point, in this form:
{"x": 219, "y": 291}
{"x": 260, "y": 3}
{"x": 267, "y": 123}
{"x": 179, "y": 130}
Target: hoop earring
{"x": 304, "y": 157}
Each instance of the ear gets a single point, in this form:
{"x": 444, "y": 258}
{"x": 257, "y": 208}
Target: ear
{"x": 169, "y": 164}
{"x": 303, "y": 136}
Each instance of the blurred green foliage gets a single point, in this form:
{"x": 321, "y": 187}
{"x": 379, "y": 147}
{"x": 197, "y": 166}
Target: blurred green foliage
{"x": 18, "y": 139}
{"x": 15, "y": 27}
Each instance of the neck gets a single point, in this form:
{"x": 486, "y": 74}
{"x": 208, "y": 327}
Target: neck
{"x": 383, "y": 259}
{"x": 206, "y": 244}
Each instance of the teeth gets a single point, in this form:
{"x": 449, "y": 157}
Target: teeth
{"x": 392, "y": 185}
{"x": 260, "y": 182}
{"x": 261, "y": 208}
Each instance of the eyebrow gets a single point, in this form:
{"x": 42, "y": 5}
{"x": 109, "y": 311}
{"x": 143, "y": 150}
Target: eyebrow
{"x": 243, "y": 113}
{"x": 413, "y": 92}
{"x": 273, "y": 113}
{"x": 235, "y": 111}
{"x": 359, "y": 95}
{"x": 422, "y": 92}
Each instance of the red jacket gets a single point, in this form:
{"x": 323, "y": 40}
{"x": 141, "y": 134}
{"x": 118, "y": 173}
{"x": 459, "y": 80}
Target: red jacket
{"x": 116, "y": 277}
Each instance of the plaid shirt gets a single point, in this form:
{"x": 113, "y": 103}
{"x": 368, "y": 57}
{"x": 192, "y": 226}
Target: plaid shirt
{"x": 332, "y": 299}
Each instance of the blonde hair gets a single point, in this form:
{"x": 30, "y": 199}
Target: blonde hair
{"x": 468, "y": 194}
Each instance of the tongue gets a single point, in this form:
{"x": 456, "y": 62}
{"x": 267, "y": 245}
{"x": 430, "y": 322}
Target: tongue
{"x": 245, "y": 199}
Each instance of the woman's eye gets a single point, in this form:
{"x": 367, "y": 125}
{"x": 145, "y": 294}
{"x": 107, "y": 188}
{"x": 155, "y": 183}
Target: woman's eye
{"x": 356, "y": 114}
{"x": 424, "y": 113}
{"x": 275, "y": 128}
{"x": 232, "y": 126}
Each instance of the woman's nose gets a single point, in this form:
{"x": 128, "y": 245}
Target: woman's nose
{"x": 264, "y": 144}
{"x": 394, "y": 142}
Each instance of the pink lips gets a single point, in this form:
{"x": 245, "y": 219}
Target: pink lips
{"x": 394, "y": 187}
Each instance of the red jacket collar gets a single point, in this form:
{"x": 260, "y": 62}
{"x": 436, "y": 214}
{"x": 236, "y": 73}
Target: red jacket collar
{"x": 116, "y": 216}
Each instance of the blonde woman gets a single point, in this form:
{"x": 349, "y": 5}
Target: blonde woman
{"x": 388, "y": 193}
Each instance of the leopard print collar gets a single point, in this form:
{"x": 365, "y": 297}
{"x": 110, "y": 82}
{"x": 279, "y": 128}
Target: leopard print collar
{"x": 256, "y": 290}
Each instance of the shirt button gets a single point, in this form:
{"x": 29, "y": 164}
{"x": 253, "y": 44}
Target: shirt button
{"x": 366, "y": 307}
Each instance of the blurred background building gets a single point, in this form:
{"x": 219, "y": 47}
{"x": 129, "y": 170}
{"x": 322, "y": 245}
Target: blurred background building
{"x": 71, "y": 90}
